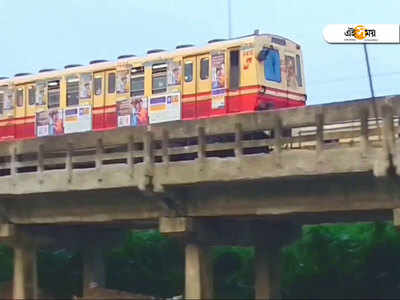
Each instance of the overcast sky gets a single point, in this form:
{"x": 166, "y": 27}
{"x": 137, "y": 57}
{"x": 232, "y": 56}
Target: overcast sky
{"x": 50, "y": 34}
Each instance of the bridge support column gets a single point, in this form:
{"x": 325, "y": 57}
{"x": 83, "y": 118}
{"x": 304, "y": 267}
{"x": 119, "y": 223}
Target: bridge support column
{"x": 93, "y": 267}
{"x": 92, "y": 243}
{"x": 198, "y": 264}
{"x": 25, "y": 273}
{"x": 269, "y": 240}
{"x": 267, "y": 271}
{"x": 198, "y": 272}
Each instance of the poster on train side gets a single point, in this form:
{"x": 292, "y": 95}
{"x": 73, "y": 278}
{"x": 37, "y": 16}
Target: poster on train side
{"x": 291, "y": 77}
{"x": 124, "y": 113}
{"x": 218, "y": 78}
{"x": 132, "y": 112}
{"x": 122, "y": 82}
{"x": 165, "y": 108}
{"x": 8, "y": 102}
{"x": 49, "y": 123}
{"x": 174, "y": 75}
{"x": 40, "y": 98}
{"x": 85, "y": 88}
{"x": 78, "y": 119}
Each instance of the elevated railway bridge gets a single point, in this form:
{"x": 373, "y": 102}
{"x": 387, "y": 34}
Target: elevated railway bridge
{"x": 237, "y": 180}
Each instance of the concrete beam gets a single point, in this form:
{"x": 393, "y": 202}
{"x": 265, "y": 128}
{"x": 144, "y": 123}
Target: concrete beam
{"x": 7, "y": 231}
{"x": 175, "y": 225}
{"x": 321, "y": 196}
{"x": 396, "y": 217}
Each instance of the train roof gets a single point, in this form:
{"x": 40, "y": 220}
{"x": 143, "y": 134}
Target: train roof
{"x": 154, "y": 55}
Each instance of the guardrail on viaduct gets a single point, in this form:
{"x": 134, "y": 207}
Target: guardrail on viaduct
{"x": 361, "y": 134}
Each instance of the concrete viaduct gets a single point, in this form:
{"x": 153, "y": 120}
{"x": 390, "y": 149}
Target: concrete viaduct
{"x": 209, "y": 182}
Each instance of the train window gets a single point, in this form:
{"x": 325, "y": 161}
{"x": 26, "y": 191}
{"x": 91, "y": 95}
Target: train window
{"x": 1, "y": 103}
{"x": 234, "y": 70}
{"x": 272, "y": 65}
{"x": 137, "y": 81}
{"x": 204, "y": 68}
{"x": 98, "y": 86}
{"x": 31, "y": 95}
{"x": 72, "y": 91}
{"x": 53, "y": 93}
{"x": 188, "y": 71}
{"x": 159, "y": 79}
{"x": 20, "y": 97}
{"x": 111, "y": 83}
{"x": 298, "y": 64}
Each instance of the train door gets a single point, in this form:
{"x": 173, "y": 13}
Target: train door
{"x": 233, "y": 99}
{"x": 189, "y": 89}
{"x": 20, "y": 111}
{"x": 30, "y": 110}
{"x": 203, "y": 86}
{"x": 110, "y": 110}
{"x": 98, "y": 100}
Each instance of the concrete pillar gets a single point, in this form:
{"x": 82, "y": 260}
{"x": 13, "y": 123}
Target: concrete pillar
{"x": 25, "y": 273}
{"x": 267, "y": 271}
{"x": 93, "y": 267}
{"x": 198, "y": 272}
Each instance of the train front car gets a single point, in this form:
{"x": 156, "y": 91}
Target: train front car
{"x": 279, "y": 73}
{"x": 241, "y": 75}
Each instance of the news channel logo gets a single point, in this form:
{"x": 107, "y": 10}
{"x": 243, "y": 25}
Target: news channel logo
{"x": 354, "y": 34}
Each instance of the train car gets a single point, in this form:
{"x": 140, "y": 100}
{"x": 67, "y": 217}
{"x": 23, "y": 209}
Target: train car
{"x": 224, "y": 77}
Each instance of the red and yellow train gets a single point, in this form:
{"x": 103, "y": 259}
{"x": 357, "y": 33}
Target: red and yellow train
{"x": 242, "y": 75}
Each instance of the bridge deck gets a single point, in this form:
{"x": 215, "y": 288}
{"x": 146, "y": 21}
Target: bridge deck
{"x": 356, "y": 137}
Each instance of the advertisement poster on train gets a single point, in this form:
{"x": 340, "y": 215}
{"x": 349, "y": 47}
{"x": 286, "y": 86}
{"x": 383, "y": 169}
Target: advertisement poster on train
{"x": 78, "y": 119}
{"x": 40, "y": 93}
{"x": 85, "y": 88}
{"x": 290, "y": 72}
{"x": 122, "y": 82}
{"x": 140, "y": 114}
{"x": 247, "y": 54}
{"x": 165, "y": 108}
{"x": 49, "y": 123}
{"x": 218, "y": 80}
{"x": 218, "y": 99}
{"x": 124, "y": 112}
{"x": 132, "y": 112}
{"x": 42, "y": 123}
{"x": 218, "y": 70}
{"x": 8, "y": 106}
{"x": 174, "y": 73}
{"x": 2, "y": 97}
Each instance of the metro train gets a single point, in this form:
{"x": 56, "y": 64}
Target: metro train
{"x": 224, "y": 77}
